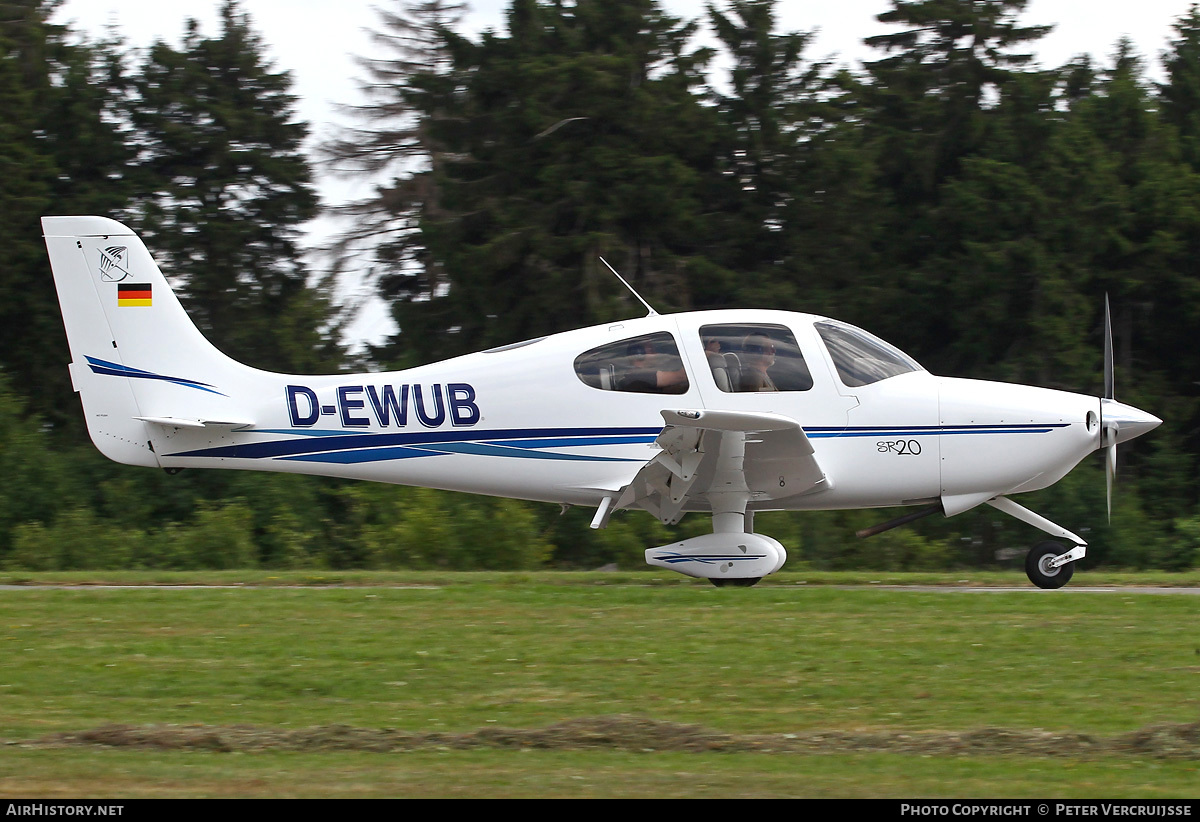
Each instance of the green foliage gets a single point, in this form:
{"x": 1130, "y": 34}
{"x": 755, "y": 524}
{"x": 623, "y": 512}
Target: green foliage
{"x": 420, "y": 528}
{"x": 76, "y": 540}
{"x": 971, "y": 209}
{"x": 33, "y": 483}
{"x": 224, "y": 186}
{"x": 61, "y": 152}
{"x": 579, "y": 135}
{"x": 1186, "y": 553}
{"x": 897, "y": 550}
{"x": 220, "y": 536}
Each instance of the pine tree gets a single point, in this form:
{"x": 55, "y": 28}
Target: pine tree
{"x": 764, "y": 123}
{"x": 929, "y": 94}
{"x": 227, "y": 186}
{"x": 795, "y": 207}
{"x": 576, "y": 136}
{"x": 928, "y": 107}
{"x": 1179, "y": 97}
{"x": 390, "y": 146}
{"x": 61, "y": 152}
{"x": 1019, "y": 310}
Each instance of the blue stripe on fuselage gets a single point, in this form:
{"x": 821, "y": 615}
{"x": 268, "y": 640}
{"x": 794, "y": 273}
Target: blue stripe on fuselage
{"x": 549, "y": 437}
{"x": 931, "y": 430}
{"x": 361, "y": 446}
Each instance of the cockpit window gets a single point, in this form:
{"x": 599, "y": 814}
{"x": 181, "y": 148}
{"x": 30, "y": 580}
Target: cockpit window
{"x": 649, "y": 364}
{"x": 755, "y": 357}
{"x": 862, "y": 358}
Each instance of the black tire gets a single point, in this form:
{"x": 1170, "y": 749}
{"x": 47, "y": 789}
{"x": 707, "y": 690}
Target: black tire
{"x": 744, "y": 582}
{"x": 1039, "y": 574}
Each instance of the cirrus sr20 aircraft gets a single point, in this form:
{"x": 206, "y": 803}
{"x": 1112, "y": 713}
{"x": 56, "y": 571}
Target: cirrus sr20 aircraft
{"x": 720, "y": 412}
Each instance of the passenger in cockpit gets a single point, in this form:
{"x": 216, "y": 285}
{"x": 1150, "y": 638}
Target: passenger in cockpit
{"x": 717, "y": 363}
{"x": 758, "y": 355}
{"x": 652, "y": 372}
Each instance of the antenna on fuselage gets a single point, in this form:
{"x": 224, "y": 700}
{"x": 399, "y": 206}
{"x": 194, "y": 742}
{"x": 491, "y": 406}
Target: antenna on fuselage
{"x": 652, "y": 313}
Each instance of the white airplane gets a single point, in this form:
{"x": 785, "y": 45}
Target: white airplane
{"x": 724, "y": 412}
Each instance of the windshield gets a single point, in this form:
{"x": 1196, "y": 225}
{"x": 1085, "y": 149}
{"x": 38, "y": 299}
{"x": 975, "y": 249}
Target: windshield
{"x": 862, "y": 358}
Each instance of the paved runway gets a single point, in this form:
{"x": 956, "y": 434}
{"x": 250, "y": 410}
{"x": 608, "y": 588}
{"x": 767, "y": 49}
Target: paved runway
{"x": 950, "y": 589}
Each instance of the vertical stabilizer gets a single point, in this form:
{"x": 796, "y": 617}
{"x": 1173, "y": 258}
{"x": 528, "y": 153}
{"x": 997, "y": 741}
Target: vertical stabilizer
{"x": 135, "y": 354}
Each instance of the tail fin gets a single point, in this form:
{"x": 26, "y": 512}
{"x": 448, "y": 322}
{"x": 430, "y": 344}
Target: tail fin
{"x": 137, "y": 358}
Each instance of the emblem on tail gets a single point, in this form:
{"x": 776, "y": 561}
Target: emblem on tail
{"x": 113, "y": 267}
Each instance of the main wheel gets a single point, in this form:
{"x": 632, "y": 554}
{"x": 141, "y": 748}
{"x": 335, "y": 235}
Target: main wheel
{"x": 1037, "y": 565}
{"x": 744, "y": 582}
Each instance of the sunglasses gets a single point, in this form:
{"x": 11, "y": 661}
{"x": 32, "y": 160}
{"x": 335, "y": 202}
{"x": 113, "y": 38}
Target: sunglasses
{"x": 755, "y": 348}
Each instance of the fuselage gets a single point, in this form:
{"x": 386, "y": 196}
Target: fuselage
{"x": 727, "y": 412}
{"x": 571, "y": 417}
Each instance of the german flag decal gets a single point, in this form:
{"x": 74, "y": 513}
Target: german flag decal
{"x": 129, "y": 294}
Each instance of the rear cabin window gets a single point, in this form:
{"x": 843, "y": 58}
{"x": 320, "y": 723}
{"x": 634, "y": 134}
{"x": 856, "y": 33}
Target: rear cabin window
{"x": 755, "y": 357}
{"x": 861, "y": 358}
{"x": 649, "y": 364}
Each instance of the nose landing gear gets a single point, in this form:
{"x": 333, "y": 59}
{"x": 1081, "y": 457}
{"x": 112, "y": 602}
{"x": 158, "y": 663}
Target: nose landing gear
{"x": 1045, "y": 565}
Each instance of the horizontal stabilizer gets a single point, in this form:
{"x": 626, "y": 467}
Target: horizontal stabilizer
{"x": 180, "y": 422}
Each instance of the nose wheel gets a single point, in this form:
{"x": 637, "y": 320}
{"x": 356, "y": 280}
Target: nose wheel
{"x": 1040, "y": 569}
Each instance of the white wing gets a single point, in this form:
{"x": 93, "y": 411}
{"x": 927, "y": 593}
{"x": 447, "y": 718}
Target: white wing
{"x": 763, "y": 456}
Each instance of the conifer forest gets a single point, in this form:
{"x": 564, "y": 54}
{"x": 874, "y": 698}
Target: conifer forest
{"x": 949, "y": 195}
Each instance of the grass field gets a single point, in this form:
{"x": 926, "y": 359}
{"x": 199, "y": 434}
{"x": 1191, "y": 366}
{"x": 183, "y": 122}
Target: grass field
{"x": 622, "y": 684}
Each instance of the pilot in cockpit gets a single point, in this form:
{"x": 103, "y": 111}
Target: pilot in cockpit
{"x": 653, "y": 372}
{"x": 758, "y": 355}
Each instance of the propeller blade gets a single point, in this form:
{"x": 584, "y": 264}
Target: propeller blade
{"x": 1109, "y": 379}
{"x": 1110, "y": 474}
{"x": 1108, "y": 437}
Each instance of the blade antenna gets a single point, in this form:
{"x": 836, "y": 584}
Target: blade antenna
{"x": 652, "y": 313}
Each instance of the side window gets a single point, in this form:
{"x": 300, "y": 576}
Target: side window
{"x": 755, "y": 357}
{"x": 862, "y": 358}
{"x": 649, "y": 364}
